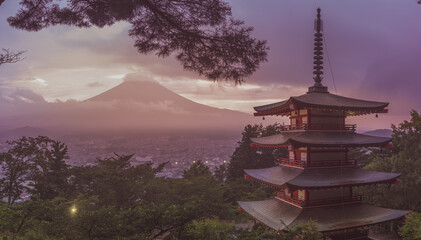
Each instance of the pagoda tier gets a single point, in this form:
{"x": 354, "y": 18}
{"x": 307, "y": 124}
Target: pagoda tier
{"x": 278, "y": 215}
{"x": 318, "y": 178}
{"x": 322, "y": 101}
{"x": 320, "y": 138}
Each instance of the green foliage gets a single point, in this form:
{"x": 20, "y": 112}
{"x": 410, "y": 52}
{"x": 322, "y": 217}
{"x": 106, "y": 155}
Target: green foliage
{"x": 221, "y": 172}
{"x": 114, "y": 181}
{"x": 258, "y": 232}
{"x": 405, "y": 158}
{"x": 411, "y": 230}
{"x": 38, "y": 161}
{"x": 197, "y": 169}
{"x": 365, "y": 156}
{"x": 209, "y": 229}
{"x": 114, "y": 199}
{"x": 306, "y": 231}
{"x": 14, "y": 167}
{"x": 49, "y": 171}
{"x": 246, "y": 157}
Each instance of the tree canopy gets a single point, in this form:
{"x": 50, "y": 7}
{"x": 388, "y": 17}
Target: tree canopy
{"x": 247, "y": 157}
{"x": 405, "y": 158}
{"x": 202, "y": 35}
{"x": 117, "y": 199}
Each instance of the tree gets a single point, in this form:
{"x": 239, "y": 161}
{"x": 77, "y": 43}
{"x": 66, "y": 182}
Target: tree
{"x": 405, "y": 158}
{"x": 411, "y": 230}
{"x": 247, "y": 157}
{"x": 221, "y": 172}
{"x": 49, "y": 171}
{"x": 201, "y": 34}
{"x": 14, "y": 168}
{"x": 8, "y": 56}
{"x": 305, "y": 231}
{"x": 197, "y": 169}
{"x": 209, "y": 229}
{"x": 36, "y": 165}
{"x": 114, "y": 181}
{"x": 244, "y": 156}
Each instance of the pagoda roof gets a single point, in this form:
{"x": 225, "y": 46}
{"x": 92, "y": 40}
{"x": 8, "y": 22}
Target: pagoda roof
{"x": 321, "y": 100}
{"x": 321, "y": 138}
{"x": 319, "y": 178}
{"x": 277, "y": 215}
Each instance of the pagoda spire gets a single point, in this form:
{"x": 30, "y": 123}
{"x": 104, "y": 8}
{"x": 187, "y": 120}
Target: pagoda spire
{"x": 318, "y": 55}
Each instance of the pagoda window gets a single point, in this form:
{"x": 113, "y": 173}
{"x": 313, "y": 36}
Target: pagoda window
{"x": 327, "y": 113}
{"x": 293, "y": 122}
{"x": 329, "y": 196}
{"x": 287, "y": 192}
{"x": 291, "y": 106}
{"x": 323, "y": 119}
{"x": 329, "y": 193}
{"x": 291, "y": 156}
{"x": 305, "y": 120}
{"x": 317, "y": 121}
{"x": 303, "y": 112}
{"x": 303, "y": 157}
{"x": 328, "y": 158}
{"x": 301, "y": 195}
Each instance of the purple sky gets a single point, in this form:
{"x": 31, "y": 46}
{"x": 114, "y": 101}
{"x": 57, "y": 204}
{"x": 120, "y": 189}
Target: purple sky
{"x": 373, "y": 49}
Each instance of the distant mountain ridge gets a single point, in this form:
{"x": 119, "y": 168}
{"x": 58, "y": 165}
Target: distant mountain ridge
{"x": 131, "y": 106}
{"x": 26, "y": 131}
{"x": 140, "y": 91}
{"x": 380, "y": 133}
{"x": 148, "y": 92}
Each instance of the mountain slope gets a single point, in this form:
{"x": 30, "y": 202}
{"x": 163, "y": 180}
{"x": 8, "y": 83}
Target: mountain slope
{"x": 148, "y": 92}
{"x": 380, "y": 133}
{"x": 131, "y": 106}
{"x": 156, "y": 107}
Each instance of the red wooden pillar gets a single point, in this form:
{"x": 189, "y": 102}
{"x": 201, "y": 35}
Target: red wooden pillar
{"x": 308, "y": 156}
{"x": 309, "y": 118}
{"x": 350, "y": 193}
{"x": 346, "y": 155}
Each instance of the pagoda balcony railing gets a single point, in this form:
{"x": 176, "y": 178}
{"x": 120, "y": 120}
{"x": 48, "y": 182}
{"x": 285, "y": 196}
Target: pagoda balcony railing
{"x": 282, "y": 196}
{"x": 295, "y": 162}
{"x": 359, "y": 233}
{"x": 318, "y": 202}
{"x": 316, "y": 164}
{"x": 332, "y": 163}
{"x": 328, "y": 201}
{"x": 305, "y": 126}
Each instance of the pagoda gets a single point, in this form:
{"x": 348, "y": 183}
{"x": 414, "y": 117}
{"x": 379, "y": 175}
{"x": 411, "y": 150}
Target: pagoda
{"x": 316, "y": 180}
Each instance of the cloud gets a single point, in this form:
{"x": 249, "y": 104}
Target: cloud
{"x": 19, "y": 95}
{"x": 137, "y": 77}
{"x": 40, "y": 81}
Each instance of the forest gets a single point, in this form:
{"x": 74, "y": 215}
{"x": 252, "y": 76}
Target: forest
{"x": 45, "y": 198}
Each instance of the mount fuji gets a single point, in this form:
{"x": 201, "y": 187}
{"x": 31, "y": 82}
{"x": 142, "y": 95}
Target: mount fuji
{"x": 140, "y": 106}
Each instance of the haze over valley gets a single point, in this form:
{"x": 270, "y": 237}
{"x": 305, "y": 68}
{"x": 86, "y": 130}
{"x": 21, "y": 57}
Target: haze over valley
{"x": 138, "y": 117}
{"x": 135, "y": 105}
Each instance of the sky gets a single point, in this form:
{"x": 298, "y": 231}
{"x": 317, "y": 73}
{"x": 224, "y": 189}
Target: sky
{"x": 372, "y": 53}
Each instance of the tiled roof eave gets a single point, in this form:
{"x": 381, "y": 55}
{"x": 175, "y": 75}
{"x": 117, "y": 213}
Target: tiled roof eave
{"x": 388, "y": 181}
{"x": 284, "y": 108}
{"x": 278, "y": 215}
{"x": 320, "y": 139}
